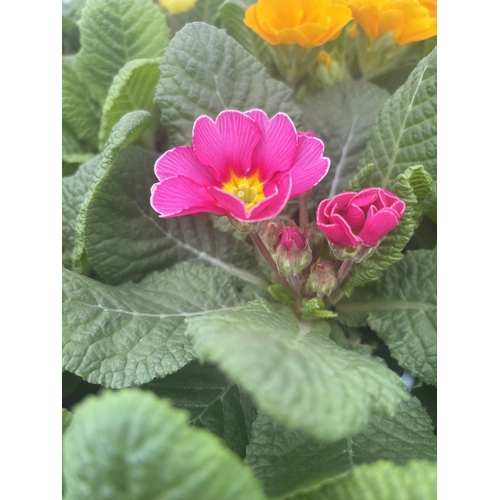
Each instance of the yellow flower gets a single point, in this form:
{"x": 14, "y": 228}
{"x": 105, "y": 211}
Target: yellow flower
{"x": 308, "y": 23}
{"x": 177, "y": 6}
{"x": 408, "y": 20}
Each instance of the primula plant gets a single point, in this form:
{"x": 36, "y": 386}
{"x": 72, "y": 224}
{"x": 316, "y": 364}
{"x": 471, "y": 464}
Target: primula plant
{"x": 249, "y": 249}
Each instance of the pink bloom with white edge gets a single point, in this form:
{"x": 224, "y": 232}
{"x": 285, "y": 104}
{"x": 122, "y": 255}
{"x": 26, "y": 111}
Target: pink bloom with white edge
{"x": 350, "y": 219}
{"x": 243, "y": 165}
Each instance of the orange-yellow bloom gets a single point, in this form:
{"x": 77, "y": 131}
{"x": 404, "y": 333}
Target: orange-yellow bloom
{"x": 408, "y": 20}
{"x": 308, "y": 23}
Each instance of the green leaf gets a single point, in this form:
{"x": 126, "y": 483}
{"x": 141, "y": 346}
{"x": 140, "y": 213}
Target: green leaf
{"x": 214, "y": 403}
{"x": 126, "y": 239}
{"x": 67, "y": 416}
{"x": 119, "y": 336}
{"x": 79, "y": 111}
{"x": 205, "y": 71}
{"x": 206, "y": 11}
{"x": 274, "y": 451}
{"x": 415, "y": 187}
{"x": 380, "y": 481}
{"x": 401, "y": 309}
{"x": 295, "y": 372}
{"x": 232, "y": 13}
{"x": 74, "y": 150}
{"x": 126, "y": 131}
{"x": 74, "y": 189}
{"x": 404, "y": 133}
{"x": 342, "y": 117}
{"x": 131, "y": 445}
{"x": 133, "y": 88}
{"x": 112, "y": 34}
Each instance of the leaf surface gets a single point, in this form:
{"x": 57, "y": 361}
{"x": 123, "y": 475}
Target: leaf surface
{"x": 402, "y": 308}
{"x": 112, "y": 34}
{"x": 213, "y": 402}
{"x": 342, "y": 116}
{"x": 205, "y": 71}
{"x": 295, "y": 372}
{"x": 120, "y": 336}
{"x": 131, "y": 445}
{"x": 274, "y": 451}
{"x": 404, "y": 133}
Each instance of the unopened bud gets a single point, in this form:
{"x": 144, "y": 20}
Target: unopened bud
{"x": 322, "y": 278}
{"x": 292, "y": 252}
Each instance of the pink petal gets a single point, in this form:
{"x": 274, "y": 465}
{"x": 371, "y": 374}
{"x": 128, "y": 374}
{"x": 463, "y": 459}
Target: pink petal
{"x": 231, "y": 205}
{"x": 366, "y": 197}
{"x": 310, "y": 166}
{"x": 227, "y": 144}
{"x": 182, "y": 161}
{"x": 339, "y": 232}
{"x": 277, "y": 149}
{"x": 180, "y": 196}
{"x": 274, "y": 202}
{"x": 399, "y": 207}
{"x": 378, "y": 224}
{"x": 354, "y": 216}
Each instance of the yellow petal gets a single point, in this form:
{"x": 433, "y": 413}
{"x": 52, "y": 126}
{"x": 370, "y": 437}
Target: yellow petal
{"x": 293, "y": 36}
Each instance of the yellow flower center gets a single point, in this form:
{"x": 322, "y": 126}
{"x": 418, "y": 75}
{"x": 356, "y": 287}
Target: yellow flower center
{"x": 248, "y": 189}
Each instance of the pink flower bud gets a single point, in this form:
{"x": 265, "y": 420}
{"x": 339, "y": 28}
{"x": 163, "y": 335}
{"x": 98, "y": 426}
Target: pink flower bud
{"x": 322, "y": 278}
{"x": 292, "y": 252}
{"x": 353, "y": 219}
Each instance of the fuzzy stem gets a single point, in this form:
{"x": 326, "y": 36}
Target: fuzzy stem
{"x": 267, "y": 257}
{"x": 344, "y": 270}
{"x": 303, "y": 215}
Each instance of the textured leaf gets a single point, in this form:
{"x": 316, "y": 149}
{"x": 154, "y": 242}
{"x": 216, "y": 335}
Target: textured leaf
{"x": 286, "y": 460}
{"x": 126, "y": 131}
{"x": 131, "y": 445}
{"x": 205, "y": 71}
{"x": 401, "y": 308}
{"x": 295, "y": 372}
{"x": 404, "y": 133}
{"x": 74, "y": 189}
{"x": 415, "y": 187}
{"x": 342, "y": 117}
{"x": 133, "y": 88}
{"x": 127, "y": 335}
{"x": 232, "y": 13}
{"x": 126, "y": 239}
{"x": 79, "y": 112}
{"x": 112, "y": 34}
{"x": 213, "y": 402}
{"x": 382, "y": 480}
{"x": 74, "y": 150}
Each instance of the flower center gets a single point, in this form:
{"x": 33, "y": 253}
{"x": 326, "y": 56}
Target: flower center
{"x": 248, "y": 189}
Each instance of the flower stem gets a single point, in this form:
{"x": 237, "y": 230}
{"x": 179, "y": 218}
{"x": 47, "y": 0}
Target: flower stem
{"x": 267, "y": 257}
{"x": 344, "y": 270}
{"x": 303, "y": 215}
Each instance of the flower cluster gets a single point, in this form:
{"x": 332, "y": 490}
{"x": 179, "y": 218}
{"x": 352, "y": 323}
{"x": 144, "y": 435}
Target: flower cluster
{"x": 247, "y": 166}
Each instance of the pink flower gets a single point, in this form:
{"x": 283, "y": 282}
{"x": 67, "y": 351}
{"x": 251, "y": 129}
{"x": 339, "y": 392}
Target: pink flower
{"x": 290, "y": 235}
{"x": 349, "y": 219}
{"x": 243, "y": 165}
